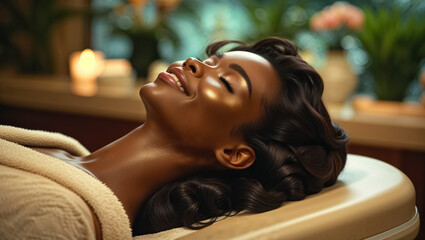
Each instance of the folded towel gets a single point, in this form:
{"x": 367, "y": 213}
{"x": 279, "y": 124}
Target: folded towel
{"x": 44, "y": 197}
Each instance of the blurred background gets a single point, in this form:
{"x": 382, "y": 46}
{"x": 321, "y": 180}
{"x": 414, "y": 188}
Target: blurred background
{"x": 376, "y": 37}
{"x": 76, "y": 66}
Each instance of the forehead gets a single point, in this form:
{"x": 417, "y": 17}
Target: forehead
{"x": 264, "y": 78}
{"x": 247, "y": 57}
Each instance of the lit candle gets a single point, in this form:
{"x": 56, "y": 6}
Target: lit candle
{"x": 85, "y": 67}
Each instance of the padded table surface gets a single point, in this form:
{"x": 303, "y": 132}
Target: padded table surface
{"x": 371, "y": 199}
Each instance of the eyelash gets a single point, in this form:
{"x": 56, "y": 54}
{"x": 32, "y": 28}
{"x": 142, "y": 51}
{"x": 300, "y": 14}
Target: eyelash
{"x": 226, "y": 83}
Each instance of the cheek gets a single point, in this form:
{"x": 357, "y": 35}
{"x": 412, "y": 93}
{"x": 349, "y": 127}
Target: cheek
{"x": 212, "y": 94}
{"x": 210, "y": 116}
{"x": 217, "y": 111}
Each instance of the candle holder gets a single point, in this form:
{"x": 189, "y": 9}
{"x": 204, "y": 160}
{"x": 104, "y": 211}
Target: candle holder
{"x": 85, "y": 67}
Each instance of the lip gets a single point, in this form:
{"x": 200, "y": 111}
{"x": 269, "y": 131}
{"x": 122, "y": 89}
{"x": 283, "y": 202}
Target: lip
{"x": 180, "y": 75}
{"x": 166, "y": 76}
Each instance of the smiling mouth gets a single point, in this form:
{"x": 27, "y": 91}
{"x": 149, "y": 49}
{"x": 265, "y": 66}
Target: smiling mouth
{"x": 172, "y": 79}
{"x": 178, "y": 83}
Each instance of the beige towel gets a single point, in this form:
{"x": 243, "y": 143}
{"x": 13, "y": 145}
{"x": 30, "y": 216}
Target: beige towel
{"x": 45, "y": 198}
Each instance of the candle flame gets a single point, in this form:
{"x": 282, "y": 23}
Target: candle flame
{"x": 87, "y": 60}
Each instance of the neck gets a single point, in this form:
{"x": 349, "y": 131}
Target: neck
{"x": 139, "y": 163}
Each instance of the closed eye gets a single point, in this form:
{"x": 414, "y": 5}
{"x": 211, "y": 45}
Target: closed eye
{"x": 226, "y": 83}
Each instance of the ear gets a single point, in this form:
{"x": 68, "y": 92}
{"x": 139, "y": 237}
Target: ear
{"x": 238, "y": 157}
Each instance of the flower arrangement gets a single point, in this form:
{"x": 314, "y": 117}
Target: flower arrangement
{"x": 337, "y": 21}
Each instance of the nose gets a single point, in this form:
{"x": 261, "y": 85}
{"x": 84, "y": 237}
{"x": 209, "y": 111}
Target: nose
{"x": 194, "y": 66}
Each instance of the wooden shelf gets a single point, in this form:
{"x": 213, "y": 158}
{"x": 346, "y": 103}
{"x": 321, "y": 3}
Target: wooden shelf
{"x": 54, "y": 93}
{"x": 381, "y": 129}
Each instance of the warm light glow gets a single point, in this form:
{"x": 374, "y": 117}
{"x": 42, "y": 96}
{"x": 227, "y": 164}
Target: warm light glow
{"x": 87, "y": 60}
{"x": 85, "y": 67}
{"x": 117, "y": 68}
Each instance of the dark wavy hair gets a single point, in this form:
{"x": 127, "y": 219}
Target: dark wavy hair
{"x": 298, "y": 149}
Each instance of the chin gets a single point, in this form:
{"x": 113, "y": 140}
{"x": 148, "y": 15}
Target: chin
{"x": 160, "y": 101}
{"x": 147, "y": 96}
{"x": 145, "y": 88}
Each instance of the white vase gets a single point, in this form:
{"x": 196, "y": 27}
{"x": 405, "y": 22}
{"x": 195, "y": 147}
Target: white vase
{"x": 339, "y": 80}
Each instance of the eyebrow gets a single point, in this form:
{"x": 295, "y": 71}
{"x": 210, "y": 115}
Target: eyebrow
{"x": 242, "y": 72}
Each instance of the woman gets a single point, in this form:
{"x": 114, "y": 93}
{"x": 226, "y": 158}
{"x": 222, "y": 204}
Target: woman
{"x": 260, "y": 113}
{"x": 241, "y": 130}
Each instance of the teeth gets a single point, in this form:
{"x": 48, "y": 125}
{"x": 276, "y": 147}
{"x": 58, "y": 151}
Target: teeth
{"x": 175, "y": 77}
{"x": 178, "y": 82}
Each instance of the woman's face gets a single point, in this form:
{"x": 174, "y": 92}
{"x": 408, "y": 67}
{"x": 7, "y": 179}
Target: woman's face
{"x": 200, "y": 103}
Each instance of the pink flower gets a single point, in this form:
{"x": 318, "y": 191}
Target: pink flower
{"x": 317, "y": 22}
{"x": 338, "y": 8}
{"x": 331, "y": 19}
{"x": 138, "y": 2}
{"x": 354, "y": 18}
{"x": 337, "y": 15}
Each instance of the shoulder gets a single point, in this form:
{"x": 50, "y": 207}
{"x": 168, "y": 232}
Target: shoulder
{"x": 32, "y": 205}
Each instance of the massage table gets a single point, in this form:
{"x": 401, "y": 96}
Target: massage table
{"x": 371, "y": 200}
{"x": 40, "y": 195}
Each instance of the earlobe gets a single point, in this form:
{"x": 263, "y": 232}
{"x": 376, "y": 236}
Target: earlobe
{"x": 238, "y": 157}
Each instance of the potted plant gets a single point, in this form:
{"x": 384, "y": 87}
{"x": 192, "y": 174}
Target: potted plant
{"x": 275, "y": 18}
{"x": 333, "y": 24}
{"x": 395, "y": 43}
{"x": 143, "y": 31}
{"x": 26, "y": 32}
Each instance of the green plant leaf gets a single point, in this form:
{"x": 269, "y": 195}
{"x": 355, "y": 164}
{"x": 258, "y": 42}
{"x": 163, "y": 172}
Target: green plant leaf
{"x": 395, "y": 45}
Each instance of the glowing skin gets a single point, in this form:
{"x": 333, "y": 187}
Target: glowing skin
{"x": 188, "y": 126}
{"x": 206, "y": 116}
